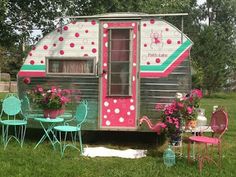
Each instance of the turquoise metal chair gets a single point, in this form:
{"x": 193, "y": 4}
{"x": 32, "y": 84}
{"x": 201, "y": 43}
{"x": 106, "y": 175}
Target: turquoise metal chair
{"x": 12, "y": 119}
{"x": 74, "y": 130}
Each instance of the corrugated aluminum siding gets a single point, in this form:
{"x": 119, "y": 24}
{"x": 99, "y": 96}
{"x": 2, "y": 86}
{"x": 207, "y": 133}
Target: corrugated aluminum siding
{"x": 88, "y": 88}
{"x": 163, "y": 90}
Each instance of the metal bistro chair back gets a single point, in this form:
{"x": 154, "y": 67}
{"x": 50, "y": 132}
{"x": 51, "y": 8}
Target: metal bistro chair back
{"x": 219, "y": 125}
{"x": 12, "y": 116}
{"x": 73, "y": 130}
{"x": 81, "y": 112}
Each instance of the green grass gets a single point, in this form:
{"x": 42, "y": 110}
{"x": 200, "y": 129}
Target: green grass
{"x": 44, "y": 161}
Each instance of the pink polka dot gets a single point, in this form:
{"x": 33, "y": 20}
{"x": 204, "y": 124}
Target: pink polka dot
{"x": 167, "y": 29}
{"x": 158, "y": 60}
{"x": 72, "y": 45}
{"x": 32, "y": 62}
{"x": 152, "y": 21}
{"x": 42, "y": 61}
{"x": 30, "y": 54}
{"x": 94, "y": 50}
{"x": 76, "y": 34}
{"x": 92, "y": 43}
{"x": 168, "y": 41}
{"x": 86, "y": 31}
{"x": 65, "y": 28}
{"x": 54, "y": 45}
{"x": 61, "y": 38}
{"x": 33, "y": 48}
{"x": 178, "y": 42}
{"x": 82, "y": 47}
{"x": 62, "y": 52}
{"x": 93, "y": 22}
{"x": 85, "y": 55}
{"x": 45, "y": 47}
{"x": 145, "y": 45}
{"x": 105, "y": 31}
{"x": 144, "y": 25}
{"x": 148, "y": 63}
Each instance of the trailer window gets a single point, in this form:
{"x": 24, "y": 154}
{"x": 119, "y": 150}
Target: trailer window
{"x": 71, "y": 66}
{"x": 119, "y": 71}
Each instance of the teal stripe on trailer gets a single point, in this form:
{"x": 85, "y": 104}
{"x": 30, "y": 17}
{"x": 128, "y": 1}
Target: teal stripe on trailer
{"x": 169, "y": 60}
{"x": 33, "y": 67}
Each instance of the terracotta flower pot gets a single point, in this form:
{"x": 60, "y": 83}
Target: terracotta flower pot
{"x": 190, "y": 124}
{"x": 52, "y": 113}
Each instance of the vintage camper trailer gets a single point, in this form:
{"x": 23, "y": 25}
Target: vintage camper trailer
{"x": 122, "y": 63}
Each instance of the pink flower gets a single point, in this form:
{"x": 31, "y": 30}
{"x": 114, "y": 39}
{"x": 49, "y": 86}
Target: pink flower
{"x": 190, "y": 110}
{"x": 39, "y": 89}
{"x": 163, "y": 125}
{"x": 64, "y": 100}
{"x": 159, "y": 107}
{"x": 196, "y": 93}
{"x": 26, "y": 80}
{"x": 53, "y": 89}
{"x": 169, "y": 120}
{"x": 53, "y": 98}
{"x": 180, "y": 105}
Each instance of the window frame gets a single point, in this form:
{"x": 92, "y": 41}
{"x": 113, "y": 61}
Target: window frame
{"x": 85, "y": 58}
{"x": 109, "y": 83}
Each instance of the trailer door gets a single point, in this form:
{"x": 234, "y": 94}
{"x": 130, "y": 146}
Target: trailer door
{"x": 118, "y": 81}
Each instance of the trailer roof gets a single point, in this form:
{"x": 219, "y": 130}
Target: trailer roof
{"x": 127, "y": 15}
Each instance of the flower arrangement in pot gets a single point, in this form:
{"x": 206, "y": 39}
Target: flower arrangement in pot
{"x": 182, "y": 110}
{"x": 188, "y": 106}
{"x": 52, "y": 100}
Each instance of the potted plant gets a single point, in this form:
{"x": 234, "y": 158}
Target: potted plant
{"x": 181, "y": 111}
{"x": 52, "y": 100}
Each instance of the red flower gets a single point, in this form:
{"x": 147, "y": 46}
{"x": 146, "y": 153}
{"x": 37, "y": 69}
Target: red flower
{"x": 26, "y": 80}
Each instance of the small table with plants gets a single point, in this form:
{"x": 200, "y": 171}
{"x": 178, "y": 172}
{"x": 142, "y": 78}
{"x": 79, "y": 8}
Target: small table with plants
{"x": 47, "y": 124}
{"x": 52, "y": 101}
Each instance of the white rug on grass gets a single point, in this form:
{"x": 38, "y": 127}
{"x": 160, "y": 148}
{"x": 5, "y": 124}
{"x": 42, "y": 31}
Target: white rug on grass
{"x": 106, "y": 152}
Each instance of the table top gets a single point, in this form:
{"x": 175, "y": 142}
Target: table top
{"x": 48, "y": 120}
{"x": 204, "y": 128}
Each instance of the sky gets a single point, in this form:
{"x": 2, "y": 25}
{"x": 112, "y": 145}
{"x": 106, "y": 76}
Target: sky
{"x": 201, "y": 1}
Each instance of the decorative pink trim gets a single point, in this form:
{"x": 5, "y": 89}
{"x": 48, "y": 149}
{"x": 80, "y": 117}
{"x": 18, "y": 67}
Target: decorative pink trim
{"x": 181, "y": 58}
{"x": 31, "y": 74}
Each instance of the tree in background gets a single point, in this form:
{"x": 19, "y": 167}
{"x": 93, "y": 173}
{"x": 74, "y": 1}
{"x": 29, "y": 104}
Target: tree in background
{"x": 214, "y": 48}
{"x": 18, "y": 19}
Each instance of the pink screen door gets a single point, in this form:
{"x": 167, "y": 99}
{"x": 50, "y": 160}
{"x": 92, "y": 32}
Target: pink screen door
{"x": 118, "y": 82}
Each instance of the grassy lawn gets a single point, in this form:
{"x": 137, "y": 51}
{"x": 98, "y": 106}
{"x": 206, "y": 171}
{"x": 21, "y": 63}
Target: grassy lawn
{"x": 44, "y": 161}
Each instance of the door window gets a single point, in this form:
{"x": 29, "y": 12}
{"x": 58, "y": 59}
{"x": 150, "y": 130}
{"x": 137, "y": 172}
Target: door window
{"x": 119, "y": 71}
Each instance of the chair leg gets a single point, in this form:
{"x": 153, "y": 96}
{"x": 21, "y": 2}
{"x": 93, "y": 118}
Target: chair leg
{"x": 64, "y": 145}
{"x": 18, "y": 134}
{"x": 200, "y": 163}
{"x": 189, "y": 144}
{"x": 5, "y": 136}
{"x": 220, "y": 154}
{"x": 80, "y": 143}
{"x": 22, "y": 135}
